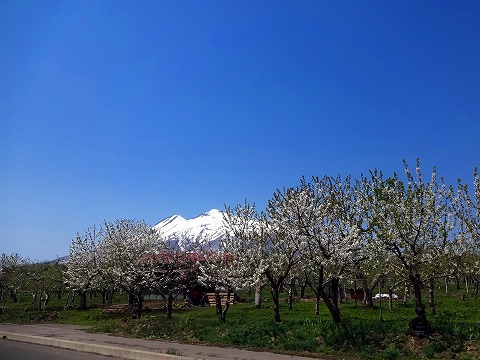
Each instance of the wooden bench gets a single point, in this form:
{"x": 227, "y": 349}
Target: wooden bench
{"x": 223, "y": 298}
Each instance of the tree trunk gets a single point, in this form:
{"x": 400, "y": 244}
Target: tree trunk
{"x": 417, "y": 287}
{"x": 169, "y": 306}
{"x": 332, "y": 303}
{"x": 419, "y": 326}
{"x": 457, "y": 282}
{"x": 276, "y": 302}
{"x": 390, "y": 299}
{"x": 83, "y": 300}
{"x": 68, "y": 301}
{"x": 290, "y": 297}
{"x": 368, "y": 299}
{"x": 223, "y": 316}
{"x": 317, "y": 289}
{"x": 368, "y": 290}
{"x": 341, "y": 293}
{"x": 218, "y": 303}
{"x": 317, "y": 304}
{"x": 34, "y": 300}
{"x": 47, "y": 298}
{"x": 406, "y": 293}
{"x": 110, "y": 297}
{"x": 13, "y": 295}
{"x": 303, "y": 286}
{"x": 334, "y": 311}
{"x": 431, "y": 300}
{"x": 317, "y": 292}
{"x": 335, "y": 287}
{"x": 258, "y": 296}
{"x": 139, "y": 300}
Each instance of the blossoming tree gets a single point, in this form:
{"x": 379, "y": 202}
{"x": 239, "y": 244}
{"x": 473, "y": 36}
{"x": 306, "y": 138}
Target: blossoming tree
{"x": 409, "y": 218}
{"x": 261, "y": 249}
{"x": 170, "y": 271}
{"x": 81, "y": 267}
{"x": 324, "y": 219}
{"x": 124, "y": 244}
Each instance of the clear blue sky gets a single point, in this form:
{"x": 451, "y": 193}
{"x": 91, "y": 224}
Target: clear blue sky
{"x": 144, "y": 109}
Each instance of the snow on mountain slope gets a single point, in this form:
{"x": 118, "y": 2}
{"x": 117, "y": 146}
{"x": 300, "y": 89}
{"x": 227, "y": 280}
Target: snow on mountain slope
{"x": 206, "y": 229}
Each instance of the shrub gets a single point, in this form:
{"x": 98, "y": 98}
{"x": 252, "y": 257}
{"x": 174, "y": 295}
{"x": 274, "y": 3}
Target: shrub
{"x": 388, "y": 354}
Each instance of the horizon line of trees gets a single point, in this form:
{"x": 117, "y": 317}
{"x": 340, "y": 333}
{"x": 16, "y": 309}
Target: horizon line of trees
{"x": 401, "y": 233}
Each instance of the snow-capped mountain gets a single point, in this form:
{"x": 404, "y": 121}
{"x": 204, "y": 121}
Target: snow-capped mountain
{"x": 206, "y": 230}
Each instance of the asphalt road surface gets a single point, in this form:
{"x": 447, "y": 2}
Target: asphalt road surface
{"x": 12, "y": 350}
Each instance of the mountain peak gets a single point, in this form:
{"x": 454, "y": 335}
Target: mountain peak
{"x": 213, "y": 212}
{"x": 206, "y": 229}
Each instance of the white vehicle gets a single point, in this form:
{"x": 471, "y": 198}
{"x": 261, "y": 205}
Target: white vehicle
{"x": 385, "y": 296}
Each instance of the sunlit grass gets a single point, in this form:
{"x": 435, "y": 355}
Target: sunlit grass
{"x": 365, "y": 333}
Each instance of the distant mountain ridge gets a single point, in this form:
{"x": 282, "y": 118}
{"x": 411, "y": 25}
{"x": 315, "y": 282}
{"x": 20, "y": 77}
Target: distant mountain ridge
{"x": 206, "y": 230}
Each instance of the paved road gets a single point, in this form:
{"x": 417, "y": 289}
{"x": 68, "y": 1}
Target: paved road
{"x": 77, "y": 338}
{"x": 13, "y": 350}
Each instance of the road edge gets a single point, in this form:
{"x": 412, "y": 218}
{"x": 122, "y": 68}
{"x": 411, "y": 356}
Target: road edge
{"x": 116, "y": 351}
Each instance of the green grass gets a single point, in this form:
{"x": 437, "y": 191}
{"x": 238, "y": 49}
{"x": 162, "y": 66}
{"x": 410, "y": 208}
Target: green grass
{"x": 175, "y": 352}
{"x": 361, "y": 335}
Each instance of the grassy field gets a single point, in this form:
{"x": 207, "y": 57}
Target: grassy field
{"x": 362, "y": 334}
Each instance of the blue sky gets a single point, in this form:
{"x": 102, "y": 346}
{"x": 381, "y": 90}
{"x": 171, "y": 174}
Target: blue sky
{"x": 144, "y": 109}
